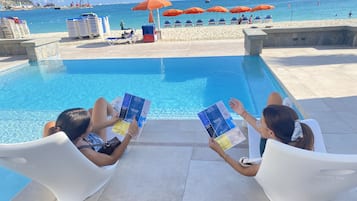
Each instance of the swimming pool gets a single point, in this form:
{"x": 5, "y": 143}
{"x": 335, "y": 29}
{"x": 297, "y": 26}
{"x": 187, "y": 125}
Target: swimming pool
{"x": 178, "y": 88}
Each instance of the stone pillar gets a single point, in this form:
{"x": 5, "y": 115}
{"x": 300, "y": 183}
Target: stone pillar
{"x": 253, "y": 41}
{"x": 39, "y": 49}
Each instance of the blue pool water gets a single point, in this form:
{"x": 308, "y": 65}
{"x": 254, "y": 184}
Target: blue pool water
{"x": 179, "y": 88}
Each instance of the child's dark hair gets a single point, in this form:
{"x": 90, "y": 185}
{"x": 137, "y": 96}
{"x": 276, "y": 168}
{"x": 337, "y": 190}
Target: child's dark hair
{"x": 281, "y": 120}
{"x": 74, "y": 122}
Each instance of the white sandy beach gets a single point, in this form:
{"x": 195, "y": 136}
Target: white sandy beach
{"x": 215, "y": 32}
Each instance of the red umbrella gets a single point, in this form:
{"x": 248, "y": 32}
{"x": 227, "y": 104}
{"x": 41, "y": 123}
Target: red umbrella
{"x": 263, "y": 7}
{"x": 150, "y": 5}
{"x": 240, "y": 9}
{"x": 172, "y": 12}
{"x": 194, "y": 10}
{"x": 219, "y": 9}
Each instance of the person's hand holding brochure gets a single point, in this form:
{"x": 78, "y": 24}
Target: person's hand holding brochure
{"x": 219, "y": 124}
{"x": 129, "y": 108}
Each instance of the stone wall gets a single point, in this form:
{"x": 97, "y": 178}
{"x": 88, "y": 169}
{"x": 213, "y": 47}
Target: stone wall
{"x": 255, "y": 39}
{"x": 9, "y": 47}
{"x": 313, "y": 36}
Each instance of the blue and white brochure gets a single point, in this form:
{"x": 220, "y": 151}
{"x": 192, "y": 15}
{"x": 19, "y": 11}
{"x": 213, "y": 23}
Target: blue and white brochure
{"x": 131, "y": 107}
{"x": 219, "y": 124}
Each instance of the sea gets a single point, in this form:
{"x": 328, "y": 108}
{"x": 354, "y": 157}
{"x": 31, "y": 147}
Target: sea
{"x": 50, "y": 20}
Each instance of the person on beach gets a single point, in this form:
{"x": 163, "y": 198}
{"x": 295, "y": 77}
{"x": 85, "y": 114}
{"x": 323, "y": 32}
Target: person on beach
{"x": 240, "y": 19}
{"x": 278, "y": 122}
{"x": 250, "y": 21}
{"x": 87, "y": 129}
{"x": 122, "y": 25}
{"x": 350, "y": 14}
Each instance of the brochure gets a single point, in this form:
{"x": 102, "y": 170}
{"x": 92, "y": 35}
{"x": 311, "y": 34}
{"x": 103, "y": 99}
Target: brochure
{"x": 130, "y": 107}
{"x": 219, "y": 124}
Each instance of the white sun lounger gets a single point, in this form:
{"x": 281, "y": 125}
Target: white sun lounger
{"x": 56, "y": 163}
{"x": 289, "y": 173}
{"x": 130, "y": 38}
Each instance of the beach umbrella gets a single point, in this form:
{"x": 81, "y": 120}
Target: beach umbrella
{"x": 218, "y": 9}
{"x": 194, "y": 10}
{"x": 151, "y": 5}
{"x": 240, "y": 9}
{"x": 262, "y": 7}
{"x": 151, "y": 17}
{"x": 172, "y": 12}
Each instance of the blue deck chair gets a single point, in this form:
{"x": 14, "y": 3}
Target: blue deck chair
{"x": 268, "y": 18}
{"x": 222, "y": 21}
{"x": 188, "y": 23}
{"x": 177, "y": 23}
{"x": 167, "y": 24}
{"x": 199, "y": 22}
{"x": 234, "y": 20}
{"x": 245, "y": 20}
{"x": 212, "y": 22}
{"x": 257, "y": 19}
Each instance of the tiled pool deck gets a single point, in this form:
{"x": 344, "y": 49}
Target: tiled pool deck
{"x": 171, "y": 160}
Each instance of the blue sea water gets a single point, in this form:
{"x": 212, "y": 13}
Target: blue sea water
{"x": 51, "y": 20}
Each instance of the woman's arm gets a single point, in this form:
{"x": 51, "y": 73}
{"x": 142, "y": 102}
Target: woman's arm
{"x": 238, "y": 107}
{"x": 102, "y": 159}
{"x": 246, "y": 171}
{"x": 104, "y": 124}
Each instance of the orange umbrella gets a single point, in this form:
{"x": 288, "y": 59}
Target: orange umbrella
{"x": 151, "y": 17}
{"x": 172, "y": 12}
{"x": 194, "y": 10}
{"x": 240, "y": 9}
{"x": 150, "y": 5}
{"x": 219, "y": 9}
{"x": 263, "y": 7}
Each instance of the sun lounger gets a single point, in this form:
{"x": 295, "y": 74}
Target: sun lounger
{"x": 125, "y": 38}
{"x": 221, "y": 21}
{"x": 167, "y": 24}
{"x": 301, "y": 174}
{"x": 177, "y": 23}
{"x": 257, "y": 19}
{"x": 188, "y": 23}
{"x": 211, "y": 22}
{"x": 56, "y": 163}
{"x": 245, "y": 20}
{"x": 290, "y": 173}
{"x": 234, "y": 20}
{"x": 268, "y": 18}
{"x": 199, "y": 23}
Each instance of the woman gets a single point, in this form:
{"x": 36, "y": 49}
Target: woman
{"x": 278, "y": 122}
{"x": 88, "y": 128}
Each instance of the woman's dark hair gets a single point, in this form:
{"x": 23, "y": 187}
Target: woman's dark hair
{"x": 281, "y": 120}
{"x": 74, "y": 122}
